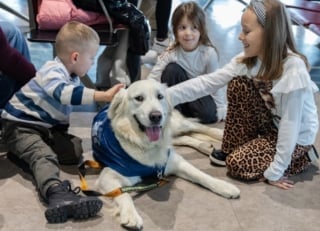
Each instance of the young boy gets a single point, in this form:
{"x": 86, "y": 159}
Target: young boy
{"x": 36, "y": 119}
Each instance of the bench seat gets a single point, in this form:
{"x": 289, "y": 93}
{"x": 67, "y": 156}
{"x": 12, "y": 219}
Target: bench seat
{"x": 303, "y": 5}
{"x": 304, "y": 17}
{"x": 315, "y": 28}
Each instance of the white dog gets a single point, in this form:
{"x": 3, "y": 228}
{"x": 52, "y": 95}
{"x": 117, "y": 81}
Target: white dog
{"x": 141, "y": 120}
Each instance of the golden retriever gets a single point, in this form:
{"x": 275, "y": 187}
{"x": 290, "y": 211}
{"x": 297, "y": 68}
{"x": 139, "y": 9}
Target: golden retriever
{"x": 141, "y": 120}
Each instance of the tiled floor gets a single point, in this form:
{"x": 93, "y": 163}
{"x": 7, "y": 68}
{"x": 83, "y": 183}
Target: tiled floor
{"x": 178, "y": 205}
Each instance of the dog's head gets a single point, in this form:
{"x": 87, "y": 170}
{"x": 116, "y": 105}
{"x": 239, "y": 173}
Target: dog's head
{"x": 142, "y": 108}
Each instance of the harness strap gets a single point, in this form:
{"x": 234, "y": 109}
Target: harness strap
{"x": 116, "y": 192}
{"x": 82, "y": 172}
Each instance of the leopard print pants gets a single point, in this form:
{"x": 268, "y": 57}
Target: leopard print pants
{"x": 250, "y": 136}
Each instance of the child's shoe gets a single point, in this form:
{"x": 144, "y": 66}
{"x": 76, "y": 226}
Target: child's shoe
{"x": 150, "y": 57}
{"x": 313, "y": 155}
{"x": 120, "y": 74}
{"x": 218, "y": 157}
{"x": 157, "y": 48}
{"x": 160, "y": 46}
{"x": 64, "y": 203}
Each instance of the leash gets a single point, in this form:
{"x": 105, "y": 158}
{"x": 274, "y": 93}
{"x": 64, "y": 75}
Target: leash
{"x": 116, "y": 192}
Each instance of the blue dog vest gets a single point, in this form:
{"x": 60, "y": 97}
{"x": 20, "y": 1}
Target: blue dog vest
{"x": 108, "y": 151}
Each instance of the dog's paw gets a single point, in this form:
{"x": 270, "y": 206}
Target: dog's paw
{"x": 130, "y": 218}
{"x": 228, "y": 190}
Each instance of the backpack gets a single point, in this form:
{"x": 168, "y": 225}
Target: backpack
{"x": 125, "y": 13}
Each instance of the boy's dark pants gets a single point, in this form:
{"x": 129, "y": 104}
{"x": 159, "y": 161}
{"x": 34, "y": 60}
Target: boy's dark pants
{"x": 43, "y": 149}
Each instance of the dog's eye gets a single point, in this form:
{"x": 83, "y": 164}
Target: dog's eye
{"x": 160, "y": 96}
{"x": 139, "y": 98}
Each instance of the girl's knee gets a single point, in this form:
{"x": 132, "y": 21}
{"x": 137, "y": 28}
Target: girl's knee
{"x": 241, "y": 167}
{"x": 173, "y": 74}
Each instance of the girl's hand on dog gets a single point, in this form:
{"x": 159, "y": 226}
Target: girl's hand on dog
{"x": 107, "y": 96}
{"x": 283, "y": 182}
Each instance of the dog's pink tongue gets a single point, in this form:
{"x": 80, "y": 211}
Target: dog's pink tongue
{"x": 153, "y": 133}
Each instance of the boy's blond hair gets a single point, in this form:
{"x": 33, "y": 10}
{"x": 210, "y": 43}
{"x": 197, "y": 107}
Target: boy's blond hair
{"x": 75, "y": 36}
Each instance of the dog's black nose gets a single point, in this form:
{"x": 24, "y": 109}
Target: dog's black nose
{"x": 155, "y": 117}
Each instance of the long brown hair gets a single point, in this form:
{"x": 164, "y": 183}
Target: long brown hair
{"x": 278, "y": 38}
{"x": 196, "y": 15}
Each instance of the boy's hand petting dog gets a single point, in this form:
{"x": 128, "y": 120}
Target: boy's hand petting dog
{"x": 107, "y": 96}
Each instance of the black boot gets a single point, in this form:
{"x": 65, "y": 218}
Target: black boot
{"x": 64, "y": 203}
{"x": 218, "y": 157}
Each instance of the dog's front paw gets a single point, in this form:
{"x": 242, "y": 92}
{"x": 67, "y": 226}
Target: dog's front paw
{"x": 130, "y": 218}
{"x": 228, "y": 190}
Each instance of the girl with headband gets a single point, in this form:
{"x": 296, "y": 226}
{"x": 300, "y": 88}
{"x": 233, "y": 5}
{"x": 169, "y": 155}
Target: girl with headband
{"x": 272, "y": 119}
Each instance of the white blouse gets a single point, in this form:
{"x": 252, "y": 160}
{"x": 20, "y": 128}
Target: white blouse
{"x": 293, "y": 94}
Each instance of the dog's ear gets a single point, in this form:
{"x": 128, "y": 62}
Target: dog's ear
{"x": 116, "y": 103}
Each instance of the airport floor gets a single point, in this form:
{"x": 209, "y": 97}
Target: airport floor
{"x": 178, "y": 205}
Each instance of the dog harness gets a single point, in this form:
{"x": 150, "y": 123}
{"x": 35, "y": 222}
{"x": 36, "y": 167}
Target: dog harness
{"x": 108, "y": 151}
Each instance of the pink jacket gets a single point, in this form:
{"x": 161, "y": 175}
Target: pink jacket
{"x": 53, "y": 14}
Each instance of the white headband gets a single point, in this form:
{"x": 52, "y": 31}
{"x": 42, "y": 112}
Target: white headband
{"x": 260, "y": 10}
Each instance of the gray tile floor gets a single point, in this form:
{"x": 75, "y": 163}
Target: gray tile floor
{"x": 178, "y": 205}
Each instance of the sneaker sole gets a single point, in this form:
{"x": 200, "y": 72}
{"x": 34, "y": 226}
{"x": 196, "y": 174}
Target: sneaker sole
{"x": 217, "y": 162}
{"x": 150, "y": 57}
{"x": 159, "y": 47}
{"x": 313, "y": 155}
{"x": 78, "y": 211}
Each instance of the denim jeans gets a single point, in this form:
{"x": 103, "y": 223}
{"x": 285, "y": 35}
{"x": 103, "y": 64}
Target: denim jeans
{"x": 15, "y": 38}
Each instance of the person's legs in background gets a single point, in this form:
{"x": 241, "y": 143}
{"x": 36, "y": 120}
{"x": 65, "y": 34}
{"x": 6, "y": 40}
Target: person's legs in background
{"x": 133, "y": 59}
{"x": 163, "y": 10}
{"x": 15, "y": 38}
{"x": 111, "y": 65}
{"x": 104, "y": 67}
{"x": 161, "y": 40}
{"x": 118, "y": 64}
{"x": 133, "y": 65}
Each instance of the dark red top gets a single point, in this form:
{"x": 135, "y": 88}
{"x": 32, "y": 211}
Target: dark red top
{"x": 13, "y": 64}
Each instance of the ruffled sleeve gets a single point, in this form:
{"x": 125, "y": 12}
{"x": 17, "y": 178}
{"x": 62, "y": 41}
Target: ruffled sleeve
{"x": 203, "y": 85}
{"x": 294, "y": 77}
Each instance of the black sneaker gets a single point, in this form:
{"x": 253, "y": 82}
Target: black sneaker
{"x": 64, "y": 203}
{"x": 218, "y": 157}
{"x": 313, "y": 155}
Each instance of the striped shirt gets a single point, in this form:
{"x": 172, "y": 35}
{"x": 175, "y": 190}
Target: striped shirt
{"x": 47, "y": 99}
